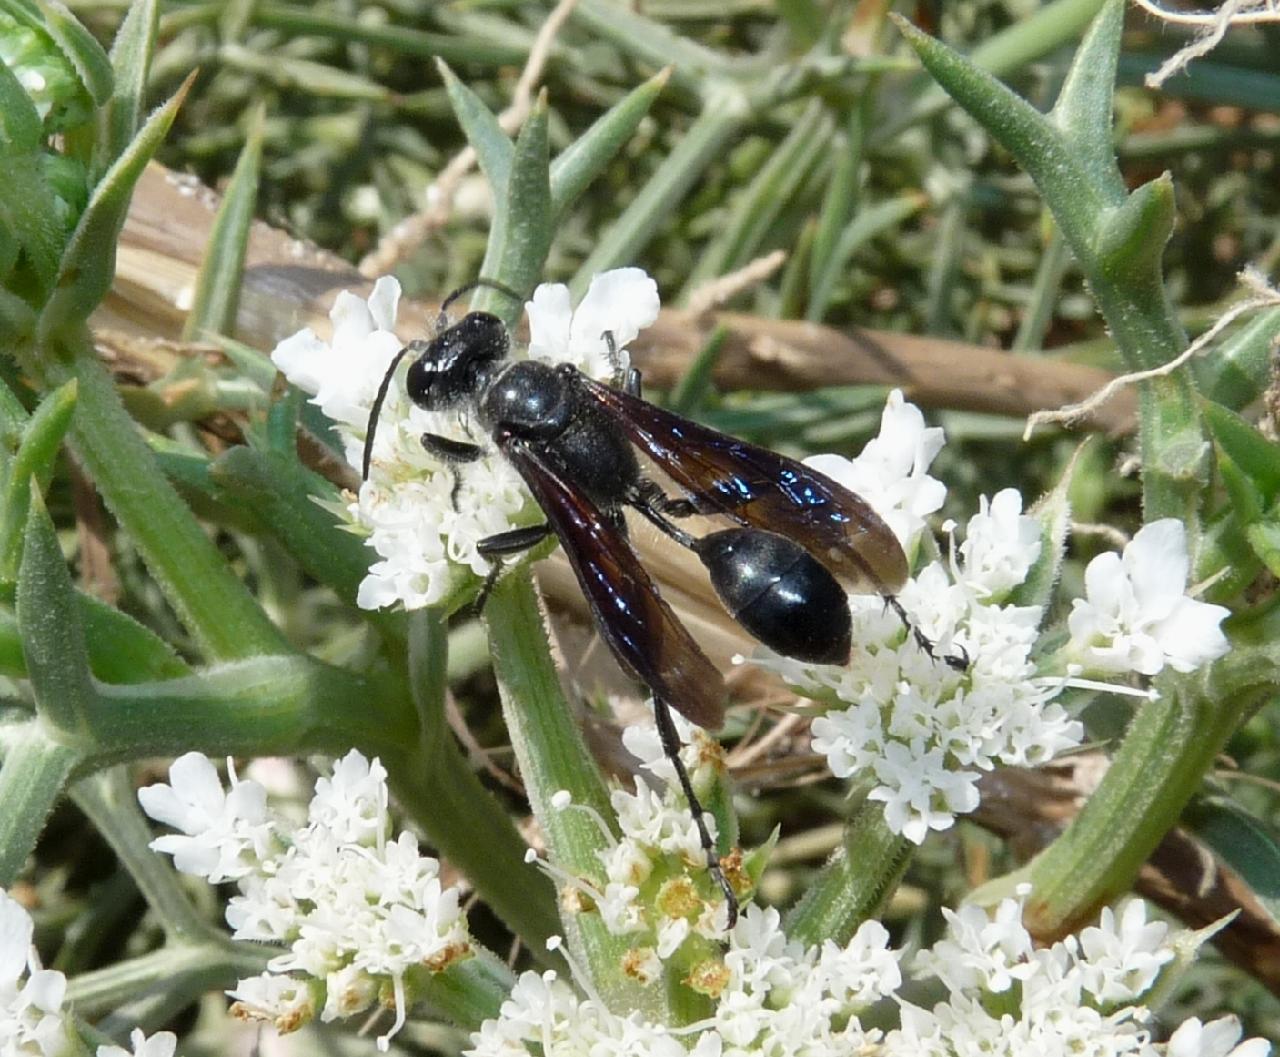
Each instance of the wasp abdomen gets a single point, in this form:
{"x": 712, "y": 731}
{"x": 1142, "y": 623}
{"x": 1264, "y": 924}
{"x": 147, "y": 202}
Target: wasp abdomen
{"x": 780, "y": 593}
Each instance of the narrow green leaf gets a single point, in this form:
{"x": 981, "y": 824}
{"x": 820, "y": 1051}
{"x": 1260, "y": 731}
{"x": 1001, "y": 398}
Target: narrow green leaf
{"x": 872, "y": 221}
{"x": 1083, "y": 109}
{"x": 312, "y": 21}
{"x": 1256, "y": 457}
{"x": 517, "y": 258}
{"x": 1264, "y": 538}
{"x": 123, "y": 651}
{"x": 222, "y": 268}
{"x": 1240, "y": 369}
{"x": 81, "y": 50}
{"x": 702, "y": 145}
{"x": 131, "y": 60}
{"x": 1037, "y": 144}
{"x": 303, "y": 75}
{"x": 841, "y": 196}
{"x": 586, "y": 157}
{"x": 41, "y": 440}
{"x": 32, "y": 778}
{"x": 17, "y": 320}
{"x": 52, "y": 636}
{"x": 493, "y": 147}
{"x": 1244, "y": 842}
{"x": 694, "y": 385}
{"x": 652, "y": 42}
{"x": 772, "y": 189}
{"x": 29, "y": 210}
{"x": 284, "y": 496}
{"x": 89, "y": 263}
{"x": 21, "y": 130}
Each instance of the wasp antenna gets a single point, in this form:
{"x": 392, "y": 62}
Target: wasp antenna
{"x": 491, "y": 284}
{"x": 376, "y": 410}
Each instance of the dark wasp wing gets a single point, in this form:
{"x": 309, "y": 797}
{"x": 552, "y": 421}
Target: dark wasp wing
{"x": 644, "y": 634}
{"x": 758, "y": 487}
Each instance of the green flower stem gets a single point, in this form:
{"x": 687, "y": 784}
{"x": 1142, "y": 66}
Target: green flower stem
{"x": 31, "y": 779}
{"x": 721, "y": 119}
{"x": 855, "y": 883}
{"x": 1169, "y": 746}
{"x": 264, "y": 706}
{"x": 212, "y": 603}
{"x": 189, "y": 969}
{"x": 553, "y": 756}
{"x": 1044, "y": 295}
{"x": 109, "y": 801}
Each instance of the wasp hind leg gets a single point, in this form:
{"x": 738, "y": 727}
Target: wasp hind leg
{"x": 671, "y": 748}
{"x": 958, "y": 661}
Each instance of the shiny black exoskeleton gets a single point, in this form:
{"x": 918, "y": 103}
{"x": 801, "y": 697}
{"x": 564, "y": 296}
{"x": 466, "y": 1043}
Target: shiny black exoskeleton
{"x": 574, "y": 442}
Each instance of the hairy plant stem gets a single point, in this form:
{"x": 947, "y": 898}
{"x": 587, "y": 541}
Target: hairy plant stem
{"x": 856, "y": 881}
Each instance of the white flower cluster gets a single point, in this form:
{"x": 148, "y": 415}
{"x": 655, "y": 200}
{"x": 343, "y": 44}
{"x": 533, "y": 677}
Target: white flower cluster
{"x": 772, "y": 996}
{"x": 1083, "y": 995}
{"x": 357, "y": 910}
{"x": 922, "y": 731}
{"x": 32, "y": 1020}
{"x": 424, "y": 532}
{"x": 1004, "y": 998}
{"x": 657, "y": 888}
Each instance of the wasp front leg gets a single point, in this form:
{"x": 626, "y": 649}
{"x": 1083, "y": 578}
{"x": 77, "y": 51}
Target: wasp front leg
{"x": 453, "y": 453}
{"x": 505, "y": 544}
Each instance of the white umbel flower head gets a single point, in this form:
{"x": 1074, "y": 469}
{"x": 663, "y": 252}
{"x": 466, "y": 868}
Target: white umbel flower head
{"x": 1136, "y": 615}
{"x": 422, "y": 520}
{"x": 1083, "y": 995}
{"x": 353, "y": 908}
{"x": 921, "y": 730}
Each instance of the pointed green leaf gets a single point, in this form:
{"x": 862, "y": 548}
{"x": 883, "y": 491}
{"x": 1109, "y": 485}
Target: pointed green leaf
{"x": 222, "y": 269}
{"x": 88, "y": 265}
{"x": 867, "y": 224}
{"x": 41, "y": 440}
{"x": 1244, "y": 842}
{"x": 29, "y": 210}
{"x": 1036, "y": 142}
{"x": 21, "y": 130}
{"x": 1240, "y": 370}
{"x": 757, "y": 206}
{"x": 1264, "y": 538}
{"x": 1084, "y": 108}
{"x": 516, "y": 256}
{"x": 586, "y": 157}
{"x": 1256, "y": 457}
{"x": 35, "y": 771}
{"x": 131, "y": 60}
{"x": 493, "y": 147}
{"x": 49, "y": 623}
{"x": 283, "y": 496}
{"x": 81, "y": 50}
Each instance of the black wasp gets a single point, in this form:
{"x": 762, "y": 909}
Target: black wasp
{"x": 574, "y": 442}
